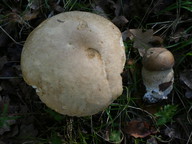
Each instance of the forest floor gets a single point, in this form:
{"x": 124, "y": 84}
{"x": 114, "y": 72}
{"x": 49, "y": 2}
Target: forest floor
{"x": 24, "y": 119}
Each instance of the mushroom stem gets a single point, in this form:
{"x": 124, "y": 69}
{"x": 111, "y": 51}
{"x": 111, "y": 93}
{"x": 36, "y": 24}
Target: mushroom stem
{"x": 157, "y": 74}
{"x": 158, "y": 84}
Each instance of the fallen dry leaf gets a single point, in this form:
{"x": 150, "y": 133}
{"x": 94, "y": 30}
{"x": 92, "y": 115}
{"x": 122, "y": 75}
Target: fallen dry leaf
{"x": 139, "y": 128}
{"x": 144, "y": 40}
{"x": 98, "y": 10}
{"x": 186, "y": 78}
{"x": 57, "y": 7}
{"x": 29, "y": 16}
{"x": 120, "y": 21}
{"x": 164, "y": 86}
{"x": 180, "y": 33}
{"x": 106, "y": 5}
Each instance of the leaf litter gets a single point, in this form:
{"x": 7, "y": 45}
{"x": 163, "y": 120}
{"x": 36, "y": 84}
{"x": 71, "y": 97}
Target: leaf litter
{"x": 186, "y": 78}
{"x": 21, "y": 99}
{"x": 144, "y": 39}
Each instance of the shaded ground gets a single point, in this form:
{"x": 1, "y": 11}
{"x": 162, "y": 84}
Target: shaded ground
{"x": 25, "y": 119}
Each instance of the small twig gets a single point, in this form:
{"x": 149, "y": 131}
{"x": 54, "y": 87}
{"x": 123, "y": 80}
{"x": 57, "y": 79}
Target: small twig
{"x": 188, "y": 117}
{"x": 10, "y": 36}
{"x": 2, "y": 78}
{"x": 189, "y": 139}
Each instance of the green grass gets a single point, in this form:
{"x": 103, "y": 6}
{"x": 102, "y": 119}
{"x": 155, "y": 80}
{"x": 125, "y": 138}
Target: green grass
{"x": 5, "y": 118}
{"x": 180, "y": 4}
{"x": 166, "y": 114}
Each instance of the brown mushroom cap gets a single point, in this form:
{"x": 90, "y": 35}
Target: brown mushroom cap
{"x": 158, "y": 59}
{"x": 74, "y": 60}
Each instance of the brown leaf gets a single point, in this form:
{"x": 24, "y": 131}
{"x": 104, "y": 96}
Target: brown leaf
{"x": 180, "y": 33}
{"x": 164, "y": 86}
{"x": 120, "y": 21}
{"x": 156, "y": 41}
{"x": 29, "y": 16}
{"x": 119, "y": 7}
{"x": 98, "y": 10}
{"x": 108, "y": 6}
{"x": 139, "y": 128}
{"x": 16, "y": 16}
{"x": 57, "y": 7}
{"x": 144, "y": 40}
{"x": 126, "y": 34}
{"x": 186, "y": 78}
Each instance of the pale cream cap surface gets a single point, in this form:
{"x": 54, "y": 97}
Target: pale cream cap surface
{"x": 74, "y": 60}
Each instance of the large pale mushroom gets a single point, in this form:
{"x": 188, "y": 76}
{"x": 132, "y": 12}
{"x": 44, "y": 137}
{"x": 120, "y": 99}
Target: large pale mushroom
{"x": 157, "y": 74}
{"x": 74, "y": 61}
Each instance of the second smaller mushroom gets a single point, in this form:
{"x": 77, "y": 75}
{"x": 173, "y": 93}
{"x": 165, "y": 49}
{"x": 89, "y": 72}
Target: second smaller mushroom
{"x": 157, "y": 74}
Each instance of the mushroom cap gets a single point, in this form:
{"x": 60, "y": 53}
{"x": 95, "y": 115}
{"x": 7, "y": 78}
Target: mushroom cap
{"x": 74, "y": 60}
{"x": 158, "y": 59}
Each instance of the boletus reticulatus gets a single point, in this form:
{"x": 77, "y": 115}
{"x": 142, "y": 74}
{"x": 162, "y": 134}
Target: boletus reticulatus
{"x": 157, "y": 74}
